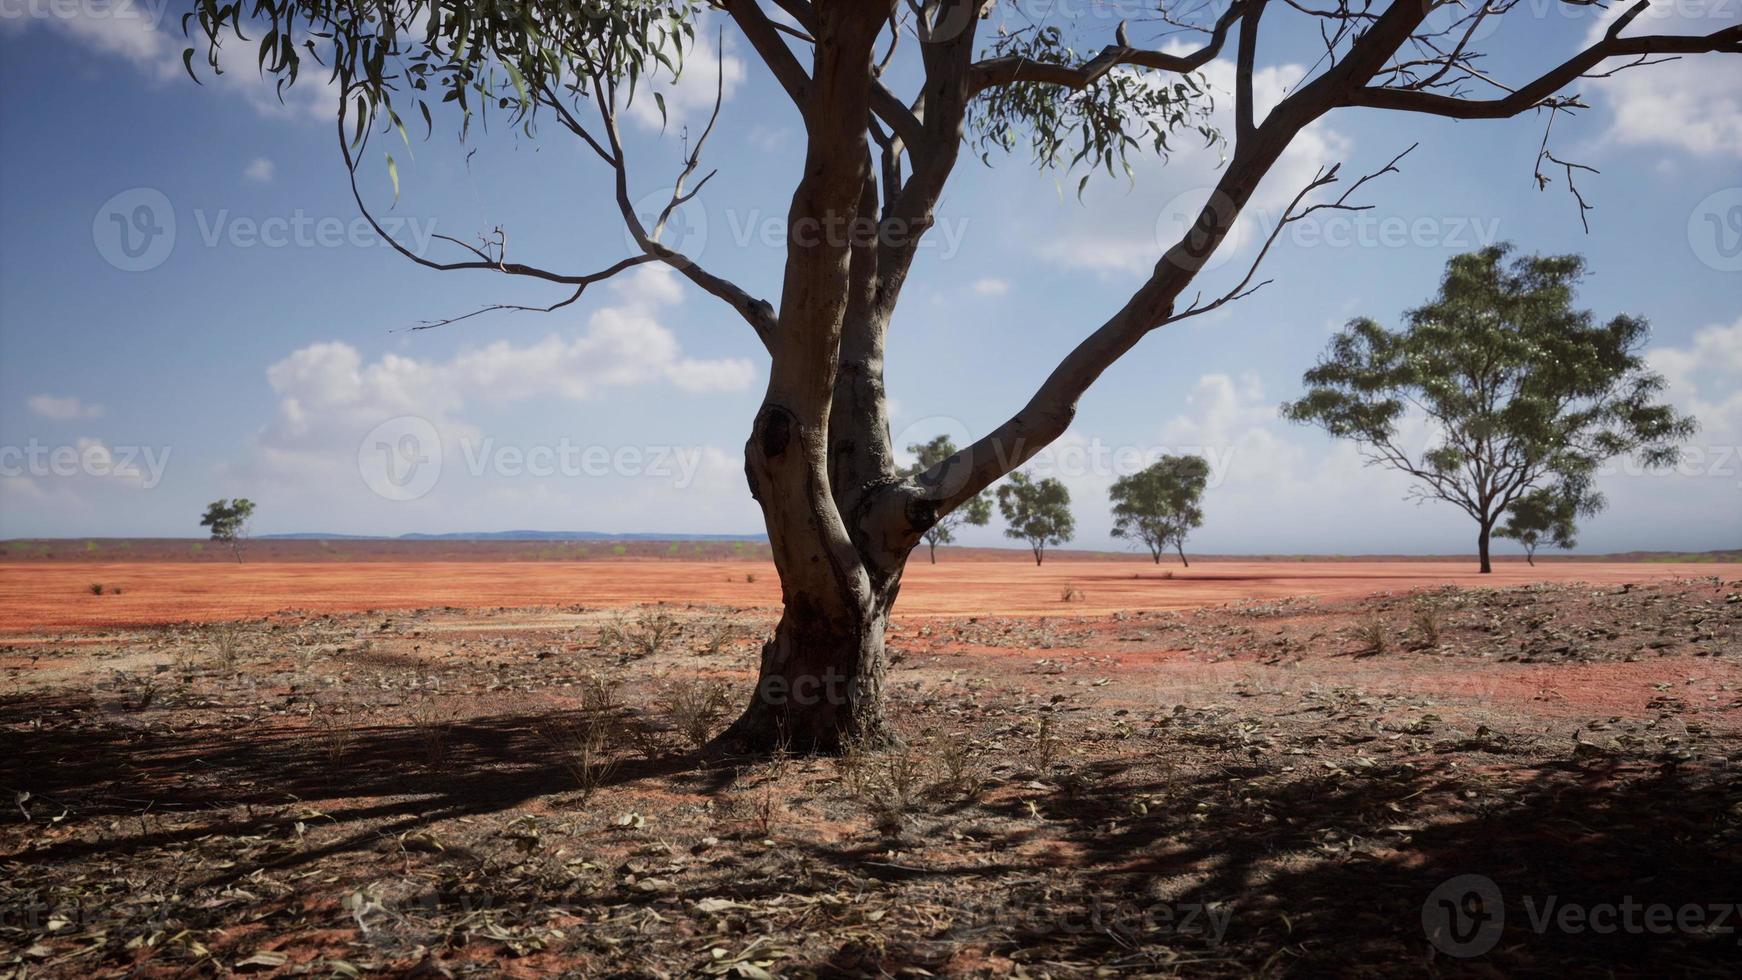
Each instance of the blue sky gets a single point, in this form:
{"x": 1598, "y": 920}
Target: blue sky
{"x": 263, "y": 354}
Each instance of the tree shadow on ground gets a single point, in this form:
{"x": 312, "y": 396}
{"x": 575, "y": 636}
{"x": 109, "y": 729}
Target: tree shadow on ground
{"x": 237, "y": 780}
{"x": 1603, "y": 868}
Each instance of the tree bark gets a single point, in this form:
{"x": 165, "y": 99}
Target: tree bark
{"x": 934, "y": 552}
{"x": 1482, "y": 548}
{"x": 1182, "y": 554}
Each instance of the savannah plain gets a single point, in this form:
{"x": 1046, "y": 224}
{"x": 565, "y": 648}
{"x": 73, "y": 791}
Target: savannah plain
{"x": 461, "y": 758}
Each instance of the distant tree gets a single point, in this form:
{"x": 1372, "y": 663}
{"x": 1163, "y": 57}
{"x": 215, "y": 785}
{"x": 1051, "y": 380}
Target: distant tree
{"x": 1158, "y": 505}
{"x": 1038, "y": 511}
{"x": 976, "y": 510}
{"x": 1548, "y": 516}
{"x": 1522, "y": 391}
{"x": 228, "y": 520}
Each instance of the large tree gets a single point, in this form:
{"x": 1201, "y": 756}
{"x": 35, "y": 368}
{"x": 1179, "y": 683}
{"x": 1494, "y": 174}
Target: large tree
{"x": 1160, "y": 504}
{"x": 841, "y": 519}
{"x": 976, "y": 510}
{"x": 1520, "y": 390}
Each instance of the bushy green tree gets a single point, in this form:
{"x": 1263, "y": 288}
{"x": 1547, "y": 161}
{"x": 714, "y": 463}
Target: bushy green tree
{"x": 1160, "y": 504}
{"x": 228, "y": 520}
{"x": 976, "y": 510}
{"x": 1037, "y": 511}
{"x": 1521, "y": 390}
{"x": 1548, "y": 516}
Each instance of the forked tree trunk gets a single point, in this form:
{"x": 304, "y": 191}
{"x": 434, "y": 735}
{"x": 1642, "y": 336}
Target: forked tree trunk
{"x": 820, "y": 682}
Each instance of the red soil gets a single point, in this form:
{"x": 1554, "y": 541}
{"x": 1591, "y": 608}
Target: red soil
{"x": 39, "y": 595}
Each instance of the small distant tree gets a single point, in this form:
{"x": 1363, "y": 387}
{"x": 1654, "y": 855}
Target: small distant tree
{"x": 1523, "y": 392}
{"x": 228, "y": 520}
{"x": 1548, "y": 516}
{"x": 976, "y": 510}
{"x": 1159, "y": 505}
{"x": 1038, "y": 511}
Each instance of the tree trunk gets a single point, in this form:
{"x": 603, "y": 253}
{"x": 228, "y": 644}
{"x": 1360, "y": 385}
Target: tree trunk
{"x": 1182, "y": 554}
{"x": 934, "y": 551}
{"x": 1482, "y": 549}
{"x": 1037, "y": 553}
{"x": 821, "y": 683}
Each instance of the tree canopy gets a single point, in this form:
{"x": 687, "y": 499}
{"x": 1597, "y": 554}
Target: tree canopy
{"x": 1549, "y": 516}
{"x": 1520, "y": 390}
{"x": 976, "y": 510}
{"x": 1037, "y": 511}
{"x": 1160, "y": 504}
{"x": 228, "y": 520}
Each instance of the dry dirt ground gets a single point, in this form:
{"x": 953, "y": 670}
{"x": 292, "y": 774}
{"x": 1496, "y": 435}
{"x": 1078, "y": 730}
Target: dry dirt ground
{"x": 1273, "y": 785}
{"x": 60, "y": 593}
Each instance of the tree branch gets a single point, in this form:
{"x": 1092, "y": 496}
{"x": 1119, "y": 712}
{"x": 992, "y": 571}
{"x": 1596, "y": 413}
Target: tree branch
{"x": 1010, "y": 69}
{"x": 1535, "y": 92}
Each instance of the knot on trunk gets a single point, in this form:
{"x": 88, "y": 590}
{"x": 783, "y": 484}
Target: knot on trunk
{"x": 773, "y": 430}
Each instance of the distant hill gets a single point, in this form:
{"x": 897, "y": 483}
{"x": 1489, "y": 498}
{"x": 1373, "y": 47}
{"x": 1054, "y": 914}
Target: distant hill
{"x": 512, "y": 536}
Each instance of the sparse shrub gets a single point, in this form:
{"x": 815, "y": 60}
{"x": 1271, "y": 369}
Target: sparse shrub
{"x": 1427, "y": 625}
{"x": 854, "y": 766}
{"x": 434, "y": 725}
{"x": 750, "y": 577}
{"x": 696, "y": 708}
{"x": 1071, "y": 594}
{"x": 1045, "y": 749}
{"x": 115, "y": 590}
{"x": 903, "y": 774}
{"x": 226, "y": 644}
{"x": 335, "y": 737}
{"x": 642, "y": 636}
{"x": 718, "y": 636}
{"x": 961, "y": 770}
{"x": 582, "y": 746}
{"x": 1371, "y": 634}
{"x": 96, "y": 588}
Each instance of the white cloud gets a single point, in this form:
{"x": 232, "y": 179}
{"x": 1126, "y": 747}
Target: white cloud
{"x": 63, "y": 409}
{"x": 259, "y": 170}
{"x": 1692, "y": 103}
{"x": 991, "y": 286}
{"x": 690, "y": 98}
{"x": 329, "y": 397}
{"x": 144, "y": 35}
{"x": 1705, "y": 380}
